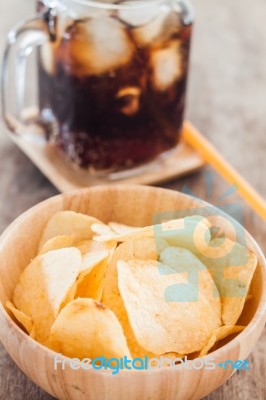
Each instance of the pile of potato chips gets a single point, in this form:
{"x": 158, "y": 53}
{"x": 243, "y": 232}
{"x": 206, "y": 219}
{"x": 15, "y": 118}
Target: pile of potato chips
{"x": 112, "y": 290}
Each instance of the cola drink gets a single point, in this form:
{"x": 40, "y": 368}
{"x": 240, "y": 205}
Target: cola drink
{"x": 113, "y": 83}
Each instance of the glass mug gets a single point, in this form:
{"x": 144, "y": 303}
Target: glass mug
{"x": 111, "y": 79}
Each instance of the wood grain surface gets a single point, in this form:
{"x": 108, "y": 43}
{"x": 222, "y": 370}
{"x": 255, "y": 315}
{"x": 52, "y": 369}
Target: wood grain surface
{"x": 226, "y": 101}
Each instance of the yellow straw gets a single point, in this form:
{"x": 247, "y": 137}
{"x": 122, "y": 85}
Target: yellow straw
{"x": 195, "y": 139}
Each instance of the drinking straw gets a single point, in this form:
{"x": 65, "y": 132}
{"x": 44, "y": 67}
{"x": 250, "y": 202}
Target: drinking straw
{"x": 208, "y": 152}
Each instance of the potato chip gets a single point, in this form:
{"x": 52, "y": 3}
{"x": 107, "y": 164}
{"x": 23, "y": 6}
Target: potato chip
{"x": 102, "y": 229}
{"x": 91, "y": 259}
{"x": 143, "y": 249}
{"x": 44, "y": 285}
{"x": 68, "y": 223}
{"x": 88, "y": 246}
{"x": 105, "y": 233}
{"x": 138, "y": 234}
{"x": 85, "y": 328}
{"x": 57, "y": 242}
{"x": 122, "y": 229}
{"x": 21, "y": 317}
{"x": 90, "y": 284}
{"x": 232, "y": 273}
{"x": 183, "y": 261}
{"x": 138, "y": 248}
{"x": 219, "y": 334}
{"x": 92, "y": 272}
{"x": 70, "y": 294}
{"x": 160, "y": 244}
{"x": 190, "y": 232}
{"x": 163, "y": 325}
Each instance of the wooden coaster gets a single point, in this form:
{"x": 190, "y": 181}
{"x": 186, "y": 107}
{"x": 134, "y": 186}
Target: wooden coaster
{"x": 182, "y": 161}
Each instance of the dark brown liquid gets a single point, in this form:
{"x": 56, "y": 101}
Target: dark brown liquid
{"x": 117, "y": 118}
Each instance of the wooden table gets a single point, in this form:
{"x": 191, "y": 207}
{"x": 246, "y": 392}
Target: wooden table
{"x": 227, "y": 101}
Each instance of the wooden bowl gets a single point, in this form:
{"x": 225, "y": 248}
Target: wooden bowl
{"x": 133, "y": 205}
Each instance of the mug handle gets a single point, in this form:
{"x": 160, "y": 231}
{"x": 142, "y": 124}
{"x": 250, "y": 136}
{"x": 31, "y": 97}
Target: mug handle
{"x": 20, "y": 42}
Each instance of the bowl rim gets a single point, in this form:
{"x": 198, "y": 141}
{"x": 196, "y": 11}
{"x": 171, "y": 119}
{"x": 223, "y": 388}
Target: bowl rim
{"x": 258, "y": 317}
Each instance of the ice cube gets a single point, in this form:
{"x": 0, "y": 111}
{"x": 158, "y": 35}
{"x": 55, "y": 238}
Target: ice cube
{"x": 166, "y": 66}
{"x": 98, "y": 46}
{"x": 137, "y": 17}
{"x": 160, "y": 29}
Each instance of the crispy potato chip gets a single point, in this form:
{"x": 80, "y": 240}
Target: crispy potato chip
{"x": 88, "y": 246}
{"x": 68, "y": 223}
{"x": 183, "y": 261}
{"x": 93, "y": 268}
{"x": 86, "y": 328}
{"x": 138, "y": 248}
{"x": 91, "y": 259}
{"x": 219, "y": 334}
{"x": 122, "y": 229}
{"x": 141, "y": 233}
{"x": 21, "y": 317}
{"x": 162, "y": 324}
{"x": 106, "y": 233}
{"x": 90, "y": 284}
{"x": 190, "y": 232}
{"x": 144, "y": 249}
{"x": 160, "y": 244}
{"x": 232, "y": 274}
{"x": 44, "y": 285}
{"x": 57, "y": 242}
{"x": 138, "y": 233}
{"x": 70, "y": 294}
{"x": 102, "y": 229}
{"x": 233, "y": 306}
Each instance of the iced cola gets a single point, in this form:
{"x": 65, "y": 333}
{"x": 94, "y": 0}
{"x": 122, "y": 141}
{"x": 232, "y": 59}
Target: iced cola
{"x": 113, "y": 83}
